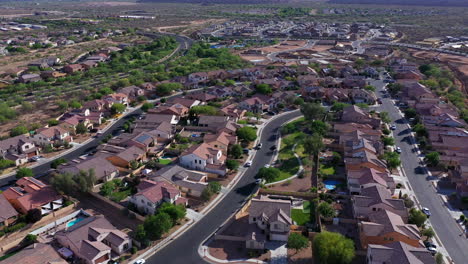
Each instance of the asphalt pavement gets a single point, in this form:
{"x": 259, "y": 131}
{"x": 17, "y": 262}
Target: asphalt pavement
{"x": 443, "y": 223}
{"x": 184, "y": 249}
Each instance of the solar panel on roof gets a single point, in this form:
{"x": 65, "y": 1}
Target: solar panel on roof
{"x": 37, "y": 182}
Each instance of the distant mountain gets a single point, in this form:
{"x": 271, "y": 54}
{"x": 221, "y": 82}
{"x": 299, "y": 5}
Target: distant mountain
{"x": 404, "y": 2}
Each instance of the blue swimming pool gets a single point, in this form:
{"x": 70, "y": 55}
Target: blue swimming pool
{"x": 331, "y": 184}
{"x": 76, "y": 221}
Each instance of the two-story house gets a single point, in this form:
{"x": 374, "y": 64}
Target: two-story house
{"x": 18, "y": 149}
{"x": 151, "y": 194}
{"x": 203, "y": 157}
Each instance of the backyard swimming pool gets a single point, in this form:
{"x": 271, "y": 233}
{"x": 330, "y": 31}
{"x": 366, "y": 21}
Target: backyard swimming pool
{"x": 76, "y": 221}
{"x": 331, "y": 184}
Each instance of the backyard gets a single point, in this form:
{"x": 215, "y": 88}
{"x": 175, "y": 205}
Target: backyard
{"x": 303, "y": 215}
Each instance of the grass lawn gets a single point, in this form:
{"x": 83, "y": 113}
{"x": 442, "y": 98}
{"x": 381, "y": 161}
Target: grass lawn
{"x": 164, "y": 161}
{"x": 119, "y": 196}
{"x": 299, "y": 216}
{"x": 306, "y": 207}
{"x": 325, "y": 170}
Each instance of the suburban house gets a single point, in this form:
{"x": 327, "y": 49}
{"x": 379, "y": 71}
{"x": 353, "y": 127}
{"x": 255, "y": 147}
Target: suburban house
{"x": 174, "y": 109}
{"x": 152, "y": 194}
{"x": 94, "y": 240}
{"x": 8, "y": 214}
{"x": 386, "y": 227}
{"x": 190, "y": 182}
{"x": 142, "y": 140}
{"x": 72, "y": 68}
{"x": 271, "y": 215}
{"x": 116, "y": 98}
{"x": 151, "y": 120}
{"x": 104, "y": 170}
{"x": 121, "y": 157}
{"x": 254, "y": 105}
{"x": 364, "y": 159}
{"x": 377, "y": 199}
{"x": 210, "y": 120}
{"x": 398, "y": 252}
{"x": 37, "y": 253}
{"x": 233, "y": 112}
{"x": 132, "y": 92}
{"x": 18, "y": 149}
{"x": 30, "y": 193}
{"x": 220, "y": 140}
{"x": 52, "y": 74}
{"x": 187, "y": 102}
{"x": 49, "y": 135}
{"x": 29, "y": 78}
{"x": 203, "y": 157}
{"x": 355, "y": 114}
{"x": 360, "y": 179}
{"x": 459, "y": 176}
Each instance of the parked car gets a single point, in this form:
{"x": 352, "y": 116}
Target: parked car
{"x": 140, "y": 261}
{"x": 429, "y": 244}
{"x": 246, "y": 151}
{"x": 393, "y": 127}
{"x": 398, "y": 150}
{"x": 379, "y": 101}
{"x": 426, "y": 211}
{"x": 259, "y": 181}
{"x": 248, "y": 164}
{"x": 259, "y": 146}
{"x": 36, "y": 158}
{"x": 432, "y": 250}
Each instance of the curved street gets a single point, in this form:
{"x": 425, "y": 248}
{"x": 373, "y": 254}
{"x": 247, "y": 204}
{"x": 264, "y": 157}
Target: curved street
{"x": 184, "y": 249}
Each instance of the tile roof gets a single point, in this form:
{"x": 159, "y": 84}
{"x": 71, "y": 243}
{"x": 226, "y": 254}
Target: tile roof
{"x": 381, "y": 223}
{"x": 157, "y": 191}
{"x": 401, "y": 253}
{"x": 7, "y": 211}
{"x": 271, "y": 209}
{"x": 37, "y": 253}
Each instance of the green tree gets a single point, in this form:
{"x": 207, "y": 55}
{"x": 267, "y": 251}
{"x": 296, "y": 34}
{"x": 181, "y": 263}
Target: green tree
{"x": 268, "y": 174}
{"x": 167, "y": 88}
{"x": 203, "y": 110}
{"x": 433, "y": 158}
{"x": 388, "y": 141}
{"x": 64, "y": 183}
{"x": 81, "y": 128}
{"x": 247, "y": 134}
{"x": 75, "y": 104}
{"x": 338, "y": 106}
{"x": 107, "y": 188}
{"x": 369, "y": 88}
{"x": 229, "y": 82}
{"x": 428, "y": 233}
{"x": 19, "y": 130}
{"x": 140, "y": 233}
{"x": 85, "y": 180}
{"x": 297, "y": 242}
{"x": 52, "y": 122}
{"x": 117, "y": 108}
{"x": 359, "y": 63}
{"x": 34, "y": 215}
{"x": 420, "y": 130}
{"x": 417, "y": 217}
{"x": 326, "y": 210}
{"x": 319, "y": 127}
{"x": 156, "y": 225}
{"x": 312, "y": 111}
{"x": 333, "y": 248}
{"x": 392, "y": 159}
{"x": 313, "y": 144}
{"x": 385, "y": 117}
{"x": 215, "y": 187}
{"x": 235, "y": 151}
{"x": 411, "y": 113}
{"x": 439, "y": 258}
{"x": 24, "y": 172}
{"x": 176, "y": 212}
{"x": 232, "y": 164}
{"x": 147, "y": 106}
{"x": 298, "y": 101}
{"x": 263, "y": 88}
{"x": 57, "y": 162}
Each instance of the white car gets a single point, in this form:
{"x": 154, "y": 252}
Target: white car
{"x": 258, "y": 181}
{"x": 393, "y": 127}
{"x": 398, "y": 150}
{"x": 426, "y": 211}
{"x": 248, "y": 164}
{"x": 433, "y": 250}
{"x": 140, "y": 261}
{"x": 267, "y": 165}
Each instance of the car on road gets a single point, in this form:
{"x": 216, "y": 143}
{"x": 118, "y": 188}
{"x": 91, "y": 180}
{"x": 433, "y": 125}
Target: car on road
{"x": 273, "y": 148}
{"x": 398, "y": 150}
{"x": 259, "y": 146}
{"x": 140, "y": 261}
{"x": 36, "y": 158}
{"x": 248, "y": 164}
{"x": 259, "y": 181}
{"x": 393, "y": 127}
{"x": 426, "y": 211}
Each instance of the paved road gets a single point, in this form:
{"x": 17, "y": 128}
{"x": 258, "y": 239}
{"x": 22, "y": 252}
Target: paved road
{"x": 443, "y": 223}
{"x": 184, "y": 249}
